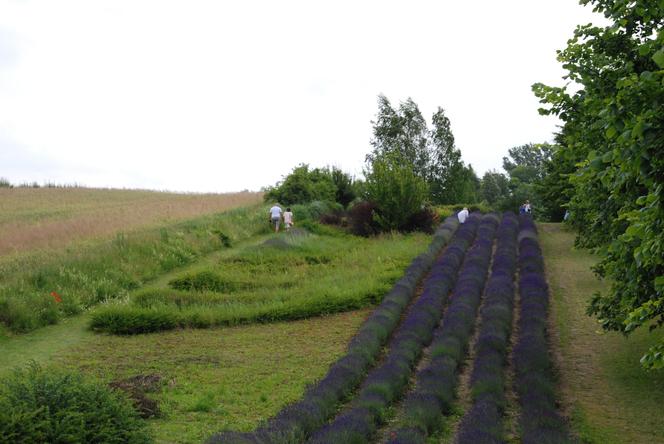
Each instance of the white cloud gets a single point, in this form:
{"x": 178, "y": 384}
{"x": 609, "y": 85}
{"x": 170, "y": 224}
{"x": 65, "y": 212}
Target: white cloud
{"x": 221, "y": 96}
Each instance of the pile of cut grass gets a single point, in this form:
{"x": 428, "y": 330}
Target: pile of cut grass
{"x": 288, "y": 277}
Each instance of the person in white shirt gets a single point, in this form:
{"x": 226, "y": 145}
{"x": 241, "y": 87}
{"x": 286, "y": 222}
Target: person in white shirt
{"x": 463, "y": 215}
{"x": 288, "y": 219}
{"x": 275, "y": 216}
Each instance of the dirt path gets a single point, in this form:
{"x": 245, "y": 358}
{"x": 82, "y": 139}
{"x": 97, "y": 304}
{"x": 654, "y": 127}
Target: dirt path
{"x": 608, "y": 396}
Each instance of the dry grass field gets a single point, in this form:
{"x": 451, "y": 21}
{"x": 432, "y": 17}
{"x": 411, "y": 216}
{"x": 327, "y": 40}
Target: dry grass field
{"x": 38, "y": 218}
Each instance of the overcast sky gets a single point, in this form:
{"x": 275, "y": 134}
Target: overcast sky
{"x": 224, "y": 96}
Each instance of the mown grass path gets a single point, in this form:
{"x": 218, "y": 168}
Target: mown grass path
{"x": 610, "y": 398}
{"x": 42, "y": 344}
{"x": 219, "y": 378}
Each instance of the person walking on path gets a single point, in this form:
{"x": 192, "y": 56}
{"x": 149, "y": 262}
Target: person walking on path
{"x": 463, "y": 215}
{"x": 288, "y": 219}
{"x": 275, "y": 216}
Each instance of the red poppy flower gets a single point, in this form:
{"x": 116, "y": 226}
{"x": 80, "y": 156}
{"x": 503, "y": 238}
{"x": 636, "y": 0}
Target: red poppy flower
{"x": 57, "y": 297}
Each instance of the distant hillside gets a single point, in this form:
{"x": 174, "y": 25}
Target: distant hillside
{"x": 36, "y": 218}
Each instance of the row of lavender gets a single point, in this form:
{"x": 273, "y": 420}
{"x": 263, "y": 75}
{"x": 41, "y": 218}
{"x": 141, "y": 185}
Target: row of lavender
{"x": 483, "y": 422}
{"x": 296, "y": 422}
{"x": 540, "y": 421}
{"x": 435, "y": 384}
{"x": 386, "y": 382}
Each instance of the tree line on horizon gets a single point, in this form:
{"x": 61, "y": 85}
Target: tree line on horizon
{"x": 413, "y": 166}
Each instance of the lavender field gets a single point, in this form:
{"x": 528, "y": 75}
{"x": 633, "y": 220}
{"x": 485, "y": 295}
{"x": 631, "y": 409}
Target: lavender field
{"x": 478, "y": 292}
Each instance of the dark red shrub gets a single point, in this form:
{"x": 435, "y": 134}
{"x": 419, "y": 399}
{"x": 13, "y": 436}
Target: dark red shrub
{"x": 361, "y": 219}
{"x": 424, "y": 220}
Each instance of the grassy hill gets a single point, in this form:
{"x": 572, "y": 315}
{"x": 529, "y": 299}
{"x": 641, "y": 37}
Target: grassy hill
{"x": 38, "y": 218}
{"x": 68, "y": 249}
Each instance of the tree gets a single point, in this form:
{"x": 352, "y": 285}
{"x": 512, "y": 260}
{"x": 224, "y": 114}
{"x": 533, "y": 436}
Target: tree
{"x": 464, "y": 185}
{"x": 305, "y": 185}
{"x": 525, "y": 166}
{"x": 531, "y": 158}
{"x": 431, "y": 153}
{"x": 554, "y": 190}
{"x": 613, "y": 126}
{"x": 345, "y": 189}
{"x": 493, "y": 187}
{"x": 395, "y": 189}
{"x": 403, "y": 132}
{"x": 447, "y": 172}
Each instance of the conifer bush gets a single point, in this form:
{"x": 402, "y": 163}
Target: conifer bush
{"x": 39, "y": 405}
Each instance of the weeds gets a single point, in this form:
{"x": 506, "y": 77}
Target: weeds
{"x": 290, "y": 276}
{"x": 87, "y": 276}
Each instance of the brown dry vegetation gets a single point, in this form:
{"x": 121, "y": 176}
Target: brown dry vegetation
{"x": 34, "y": 218}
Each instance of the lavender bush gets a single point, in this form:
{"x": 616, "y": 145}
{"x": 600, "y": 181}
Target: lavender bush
{"x": 297, "y": 421}
{"x": 435, "y": 384}
{"x": 483, "y": 422}
{"x": 540, "y": 421}
{"x": 385, "y": 383}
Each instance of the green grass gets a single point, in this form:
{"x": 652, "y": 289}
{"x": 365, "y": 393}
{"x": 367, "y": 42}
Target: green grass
{"x": 609, "y": 397}
{"x": 222, "y": 378}
{"x": 217, "y": 378}
{"x": 41, "y": 345}
{"x": 88, "y": 274}
{"x": 287, "y": 277}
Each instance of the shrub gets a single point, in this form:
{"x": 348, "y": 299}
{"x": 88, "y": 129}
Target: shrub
{"x": 450, "y": 210}
{"x": 53, "y": 406}
{"x": 123, "y": 320}
{"x": 304, "y": 185}
{"x": 332, "y": 218}
{"x": 423, "y": 220}
{"x": 361, "y": 219}
{"x": 205, "y": 281}
{"x": 396, "y": 190}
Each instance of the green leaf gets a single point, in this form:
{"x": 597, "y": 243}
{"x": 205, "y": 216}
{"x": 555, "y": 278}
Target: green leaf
{"x": 659, "y": 283}
{"x": 596, "y": 164}
{"x": 644, "y": 49}
{"x": 659, "y": 58}
{"x": 610, "y": 132}
{"x": 637, "y": 131}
